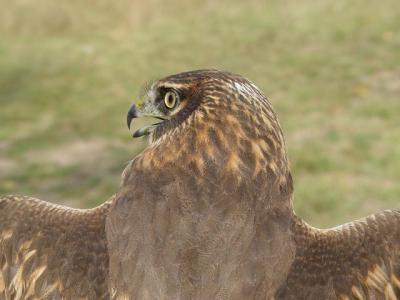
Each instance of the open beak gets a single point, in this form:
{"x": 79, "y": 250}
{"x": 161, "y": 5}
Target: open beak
{"x": 146, "y": 130}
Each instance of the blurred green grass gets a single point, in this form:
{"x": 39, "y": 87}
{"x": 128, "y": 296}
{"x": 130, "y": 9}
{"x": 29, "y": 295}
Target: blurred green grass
{"x": 69, "y": 70}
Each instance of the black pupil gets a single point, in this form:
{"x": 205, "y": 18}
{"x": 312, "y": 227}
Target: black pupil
{"x": 170, "y": 99}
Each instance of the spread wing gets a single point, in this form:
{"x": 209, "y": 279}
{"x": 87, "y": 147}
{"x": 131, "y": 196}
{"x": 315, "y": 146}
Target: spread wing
{"x": 358, "y": 260}
{"x": 49, "y": 251}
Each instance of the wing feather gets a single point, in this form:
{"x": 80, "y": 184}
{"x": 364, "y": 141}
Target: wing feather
{"x": 358, "y": 260}
{"x": 49, "y": 251}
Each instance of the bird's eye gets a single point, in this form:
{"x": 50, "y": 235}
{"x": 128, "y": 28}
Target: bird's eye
{"x": 170, "y": 99}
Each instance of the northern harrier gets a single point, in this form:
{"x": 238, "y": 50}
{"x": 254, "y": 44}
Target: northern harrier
{"x": 204, "y": 212}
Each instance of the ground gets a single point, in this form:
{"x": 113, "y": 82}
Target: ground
{"x": 70, "y": 70}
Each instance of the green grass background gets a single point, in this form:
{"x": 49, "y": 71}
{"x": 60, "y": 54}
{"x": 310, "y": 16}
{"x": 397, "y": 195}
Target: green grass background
{"x": 70, "y": 69}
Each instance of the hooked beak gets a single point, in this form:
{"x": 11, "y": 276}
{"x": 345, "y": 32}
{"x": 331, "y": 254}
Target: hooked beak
{"x": 132, "y": 114}
{"x": 146, "y": 130}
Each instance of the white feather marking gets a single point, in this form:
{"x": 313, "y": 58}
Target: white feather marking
{"x": 50, "y": 289}
{"x": 7, "y": 234}
{"x": 2, "y": 285}
{"x": 395, "y": 281}
{"x": 244, "y": 88}
{"x": 18, "y": 284}
{"x": 29, "y": 255}
{"x": 122, "y": 297}
{"x": 356, "y": 293}
{"x": 389, "y": 293}
{"x": 34, "y": 277}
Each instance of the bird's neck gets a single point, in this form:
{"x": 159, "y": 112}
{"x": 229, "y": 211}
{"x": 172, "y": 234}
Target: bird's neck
{"x": 243, "y": 158}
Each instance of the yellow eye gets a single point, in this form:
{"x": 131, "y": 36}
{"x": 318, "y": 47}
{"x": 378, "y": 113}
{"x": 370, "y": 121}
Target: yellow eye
{"x": 170, "y": 99}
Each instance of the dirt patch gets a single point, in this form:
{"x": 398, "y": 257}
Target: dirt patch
{"x": 302, "y": 136}
{"x": 387, "y": 81}
{"x": 4, "y": 145}
{"x": 87, "y": 151}
{"x": 7, "y": 166}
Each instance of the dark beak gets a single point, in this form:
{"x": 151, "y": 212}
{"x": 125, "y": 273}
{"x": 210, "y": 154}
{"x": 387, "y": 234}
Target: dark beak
{"x": 131, "y": 115}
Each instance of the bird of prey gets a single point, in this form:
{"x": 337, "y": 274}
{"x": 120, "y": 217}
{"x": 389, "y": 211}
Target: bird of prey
{"x": 204, "y": 212}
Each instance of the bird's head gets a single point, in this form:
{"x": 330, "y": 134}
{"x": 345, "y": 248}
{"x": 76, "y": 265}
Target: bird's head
{"x": 171, "y": 100}
{"x": 213, "y": 118}
{"x": 210, "y": 97}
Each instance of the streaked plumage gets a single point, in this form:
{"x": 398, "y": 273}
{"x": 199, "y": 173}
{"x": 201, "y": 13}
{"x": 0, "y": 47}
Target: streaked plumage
{"x": 205, "y": 211}
{"x": 49, "y": 251}
{"x": 358, "y": 260}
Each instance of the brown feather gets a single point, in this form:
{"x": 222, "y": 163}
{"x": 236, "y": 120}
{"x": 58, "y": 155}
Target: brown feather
{"x": 205, "y": 211}
{"x": 49, "y": 251}
{"x": 358, "y": 260}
